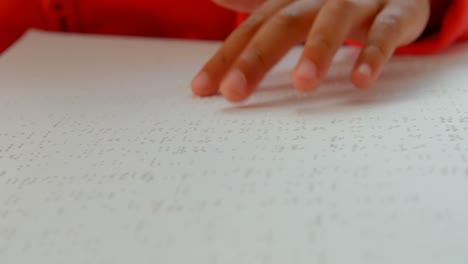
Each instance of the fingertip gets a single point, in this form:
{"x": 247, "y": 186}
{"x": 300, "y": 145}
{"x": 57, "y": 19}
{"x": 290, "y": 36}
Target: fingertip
{"x": 362, "y": 76}
{"x": 303, "y": 85}
{"x": 202, "y": 85}
{"x": 234, "y": 86}
{"x": 305, "y": 77}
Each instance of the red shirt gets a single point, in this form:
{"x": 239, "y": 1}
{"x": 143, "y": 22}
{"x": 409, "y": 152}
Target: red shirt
{"x": 165, "y": 18}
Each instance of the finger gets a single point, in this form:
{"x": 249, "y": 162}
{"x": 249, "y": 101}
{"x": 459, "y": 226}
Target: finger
{"x": 206, "y": 82}
{"x": 240, "y": 5}
{"x": 333, "y": 24}
{"x": 397, "y": 24}
{"x": 287, "y": 28}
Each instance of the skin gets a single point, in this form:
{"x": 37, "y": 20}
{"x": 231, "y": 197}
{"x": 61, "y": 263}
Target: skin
{"x": 275, "y": 26}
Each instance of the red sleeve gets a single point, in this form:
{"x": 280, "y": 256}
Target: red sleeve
{"x": 16, "y": 16}
{"x": 199, "y": 19}
{"x": 454, "y": 28}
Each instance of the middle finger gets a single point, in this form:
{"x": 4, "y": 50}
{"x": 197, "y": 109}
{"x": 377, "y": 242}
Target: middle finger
{"x": 273, "y": 40}
{"x": 334, "y": 23}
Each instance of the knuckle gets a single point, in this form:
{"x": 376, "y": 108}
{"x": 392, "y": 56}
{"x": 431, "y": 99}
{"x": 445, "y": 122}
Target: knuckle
{"x": 379, "y": 50}
{"x": 251, "y": 24}
{"x": 256, "y": 57}
{"x": 224, "y": 59}
{"x": 221, "y": 59}
{"x": 321, "y": 43}
{"x": 347, "y": 5}
{"x": 243, "y": 29}
{"x": 287, "y": 18}
{"x": 411, "y": 7}
{"x": 390, "y": 25}
{"x": 254, "y": 20}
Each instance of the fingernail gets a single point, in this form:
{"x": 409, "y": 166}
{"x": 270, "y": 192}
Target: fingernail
{"x": 234, "y": 86}
{"x": 201, "y": 82}
{"x": 305, "y": 76}
{"x": 364, "y": 70}
{"x": 307, "y": 70}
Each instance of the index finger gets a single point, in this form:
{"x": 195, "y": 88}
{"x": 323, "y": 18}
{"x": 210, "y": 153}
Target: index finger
{"x": 207, "y": 80}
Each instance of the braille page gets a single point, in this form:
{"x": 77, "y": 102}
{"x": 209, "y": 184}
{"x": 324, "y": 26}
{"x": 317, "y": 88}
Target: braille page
{"x": 106, "y": 157}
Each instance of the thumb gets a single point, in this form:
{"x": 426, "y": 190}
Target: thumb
{"x": 240, "y": 5}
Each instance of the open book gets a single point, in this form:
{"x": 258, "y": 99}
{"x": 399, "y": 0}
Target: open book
{"x": 106, "y": 157}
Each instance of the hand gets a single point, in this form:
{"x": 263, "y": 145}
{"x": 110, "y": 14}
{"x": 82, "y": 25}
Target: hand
{"x": 275, "y": 26}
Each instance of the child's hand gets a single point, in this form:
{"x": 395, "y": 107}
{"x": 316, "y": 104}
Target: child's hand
{"x": 277, "y": 25}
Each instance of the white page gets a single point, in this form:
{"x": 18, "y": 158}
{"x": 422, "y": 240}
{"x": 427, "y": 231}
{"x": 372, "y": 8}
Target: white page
{"x": 106, "y": 157}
